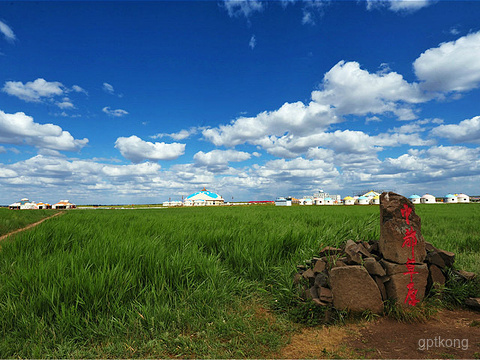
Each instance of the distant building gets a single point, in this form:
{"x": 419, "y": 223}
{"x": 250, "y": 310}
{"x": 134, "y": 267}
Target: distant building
{"x": 450, "y": 199}
{"x": 281, "y": 201}
{"x": 205, "y": 198}
{"x": 462, "y": 198}
{"x": 306, "y": 201}
{"x": 375, "y": 200}
{"x": 415, "y": 199}
{"x": 348, "y": 200}
{"x": 363, "y": 200}
{"x": 427, "y": 199}
{"x": 23, "y": 204}
{"x": 63, "y": 205}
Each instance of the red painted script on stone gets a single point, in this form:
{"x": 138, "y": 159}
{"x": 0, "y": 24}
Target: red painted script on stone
{"x": 410, "y": 240}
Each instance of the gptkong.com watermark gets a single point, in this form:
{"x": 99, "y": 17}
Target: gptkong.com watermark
{"x": 438, "y": 342}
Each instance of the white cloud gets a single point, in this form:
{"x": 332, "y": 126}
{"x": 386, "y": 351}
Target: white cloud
{"x": 136, "y": 150}
{"x": 236, "y": 8}
{"x": 312, "y": 9}
{"x": 79, "y": 89}
{"x": 295, "y": 118}
{"x": 220, "y": 157}
{"x": 452, "y": 66}
{"x": 352, "y": 90}
{"x": 181, "y": 135}
{"x": 108, "y": 88}
{"x": 7, "y": 32}
{"x": 115, "y": 113}
{"x": 253, "y": 42}
{"x": 65, "y": 104}
{"x": 20, "y": 129}
{"x": 467, "y": 131}
{"x": 33, "y": 91}
{"x": 406, "y": 6}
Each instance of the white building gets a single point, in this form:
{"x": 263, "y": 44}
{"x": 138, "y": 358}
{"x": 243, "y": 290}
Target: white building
{"x": 306, "y": 201}
{"x": 329, "y": 201}
{"x": 450, "y": 199}
{"x": 205, "y": 198}
{"x": 462, "y": 198}
{"x": 23, "y": 204}
{"x": 281, "y": 201}
{"x": 348, "y": 200}
{"x": 363, "y": 200}
{"x": 427, "y": 199}
{"x": 415, "y": 199}
{"x": 375, "y": 200}
{"x": 319, "y": 201}
{"x": 63, "y": 204}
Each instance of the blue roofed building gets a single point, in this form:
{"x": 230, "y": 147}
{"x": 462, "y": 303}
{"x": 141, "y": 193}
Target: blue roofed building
{"x": 204, "y": 198}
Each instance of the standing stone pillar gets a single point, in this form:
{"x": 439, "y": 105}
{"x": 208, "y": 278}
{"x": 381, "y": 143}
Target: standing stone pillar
{"x": 402, "y": 247}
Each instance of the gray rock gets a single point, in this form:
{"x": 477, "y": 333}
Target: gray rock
{"x": 354, "y": 289}
{"x": 433, "y": 257}
{"x": 321, "y": 279}
{"x": 436, "y": 276}
{"x": 319, "y": 266}
{"x": 398, "y": 285}
{"x": 373, "y": 267}
{"x": 395, "y": 244}
{"x": 473, "y": 303}
{"x": 447, "y": 256}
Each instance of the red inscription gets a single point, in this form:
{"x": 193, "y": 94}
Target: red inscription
{"x": 406, "y": 211}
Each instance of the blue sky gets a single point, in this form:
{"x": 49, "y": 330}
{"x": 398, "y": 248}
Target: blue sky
{"x": 138, "y": 102}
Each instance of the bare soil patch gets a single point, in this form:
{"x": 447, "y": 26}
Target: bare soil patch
{"x": 450, "y": 334}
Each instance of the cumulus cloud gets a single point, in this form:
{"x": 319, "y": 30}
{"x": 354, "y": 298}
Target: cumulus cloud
{"x": 452, "y": 66}
{"x": 236, "y": 8}
{"x": 352, "y": 90}
{"x": 467, "y": 131}
{"x": 217, "y": 160}
{"x": 33, "y": 91}
{"x": 7, "y": 32}
{"x": 136, "y": 150}
{"x": 20, "y": 129}
{"x": 66, "y": 103}
{"x": 296, "y": 118}
{"x": 114, "y": 113}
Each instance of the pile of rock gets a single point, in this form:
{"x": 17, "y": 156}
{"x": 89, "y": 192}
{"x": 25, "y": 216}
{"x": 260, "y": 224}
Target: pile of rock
{"x": 362, "y": 275}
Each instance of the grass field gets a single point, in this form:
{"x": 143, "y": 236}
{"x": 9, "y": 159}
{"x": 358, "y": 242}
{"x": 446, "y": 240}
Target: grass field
{"x": 11, "y": 220}
{"x": 188, "y": 282}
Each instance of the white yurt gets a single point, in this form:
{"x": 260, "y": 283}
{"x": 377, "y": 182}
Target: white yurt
{"x": 415, "y": 199}
{"x": 427, "y": 199}
{"x": 462, "y": 198}
{"x": 348, "y": 200}
{"x": 318, "y": 201}
{"x": 450, "y": 199}
{"x": 306, "y": 201}
{"x": 363, "y": 200}
{"x": 375, "y": 200}
{"x": 64, "y": 204}
{"x": 209, "y": 198}
{"x": 328, "y": 201}
{"x": 188, "y": 203}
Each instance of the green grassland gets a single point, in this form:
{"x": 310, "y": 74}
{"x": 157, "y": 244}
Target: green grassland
{"x": 181, "y": 282}
{"x": 11, "y": 220}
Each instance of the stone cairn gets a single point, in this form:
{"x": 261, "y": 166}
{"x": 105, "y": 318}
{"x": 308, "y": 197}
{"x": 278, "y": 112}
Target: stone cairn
{"x": 401, "y": 266}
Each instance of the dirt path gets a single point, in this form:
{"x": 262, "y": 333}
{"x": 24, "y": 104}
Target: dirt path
{"x": 450, "y": 334}
{"x": 3, "y": 237}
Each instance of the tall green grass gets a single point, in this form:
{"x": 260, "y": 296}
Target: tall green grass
{"x": 162, "y": 283}
{"x": 11, "y": 220}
